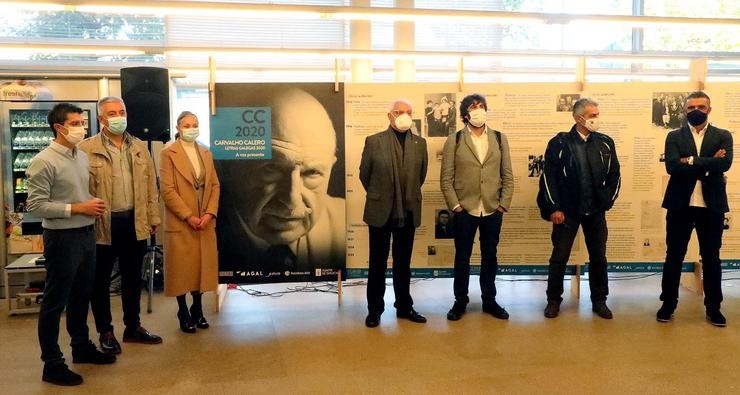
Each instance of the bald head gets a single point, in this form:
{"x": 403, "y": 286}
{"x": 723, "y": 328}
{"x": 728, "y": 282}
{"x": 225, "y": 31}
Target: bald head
{"x": 300, "y": 122}
{"x": 284, "y": 196}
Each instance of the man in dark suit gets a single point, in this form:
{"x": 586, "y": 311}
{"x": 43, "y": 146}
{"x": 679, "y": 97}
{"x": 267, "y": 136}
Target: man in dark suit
{"x": 392, "y": 169}
{"x": 696, "y": 156}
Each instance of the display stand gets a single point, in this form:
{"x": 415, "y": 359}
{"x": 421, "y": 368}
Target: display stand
{"x": 339, "y": 288}
{"x": 575, "y": 282}
{"x": 222, "y": 289}
{"x": 220, "y": 296}
{"x": 693, "y": 281}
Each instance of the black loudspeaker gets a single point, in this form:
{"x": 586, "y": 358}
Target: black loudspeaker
{"x": 146, "y": 92}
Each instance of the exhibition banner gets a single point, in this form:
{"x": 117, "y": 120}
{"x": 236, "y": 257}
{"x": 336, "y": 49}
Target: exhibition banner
{"x": 279, "y": 154}
{"x": 638, "y": 116}
{"x": 305, "y": 190}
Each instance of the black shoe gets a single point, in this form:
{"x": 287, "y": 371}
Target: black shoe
{"x": 665, "y": 313}
{"x": 602, "y": 310}
{"x": 201, "y": 323}
{"x": 553, "y": 309}
{"x": 186, "y": 322}
{"x": 198, "y": 319}
{"x": 716, "y": 318}
{"x": 88, "y": 353}
{"x": 412, "y": 316}
{"x": 60, "y": 374}
{"x": 456, "y": 312}
{"x": 140, "y": 335}
{"x": 109, "y": 344}
{"x": 495, "y": 310}
{"x": 372, "y": 320}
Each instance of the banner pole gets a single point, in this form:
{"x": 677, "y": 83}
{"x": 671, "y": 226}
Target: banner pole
{"x": 212, "y": 84}
{"x": 336, "y": 75}
{"x": 339, "y": 287}
{"x": 461, "y": 74}
{"x": 581, "y": 73}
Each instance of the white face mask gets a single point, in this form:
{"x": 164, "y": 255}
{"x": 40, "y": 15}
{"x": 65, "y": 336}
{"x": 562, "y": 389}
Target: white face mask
{"x": 403, "y": 122}
{"x": 189, "y": 134}
{"x": 477, "y": 117}
{"x": 592, "y": 124}
{"x": 75, "y": 134}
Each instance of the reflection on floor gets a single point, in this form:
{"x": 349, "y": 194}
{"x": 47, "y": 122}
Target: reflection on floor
{"x": 305, "y": 343}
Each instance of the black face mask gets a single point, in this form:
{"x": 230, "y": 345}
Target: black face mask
{"x": 696, "y": 117}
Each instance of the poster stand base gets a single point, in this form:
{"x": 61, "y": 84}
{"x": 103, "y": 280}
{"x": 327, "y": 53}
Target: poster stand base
{"x": 221, "y": 291}
{"x": 339, "y": 288}
{"x": 575, "y": 283}
{"x": 693, "y": 280}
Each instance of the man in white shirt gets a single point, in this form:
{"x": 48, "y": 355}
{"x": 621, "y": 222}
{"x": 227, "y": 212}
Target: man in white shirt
{"x": 478, "y": 183}
{"x": 696, "y": 156}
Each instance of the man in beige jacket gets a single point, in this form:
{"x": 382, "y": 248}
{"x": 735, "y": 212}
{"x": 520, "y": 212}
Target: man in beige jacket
{"x": 477, "y": 183}
{"x": 121, "y": 174}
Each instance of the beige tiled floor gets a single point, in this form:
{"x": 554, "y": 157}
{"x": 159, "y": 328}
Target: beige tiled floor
{"x": 304, "y": 343}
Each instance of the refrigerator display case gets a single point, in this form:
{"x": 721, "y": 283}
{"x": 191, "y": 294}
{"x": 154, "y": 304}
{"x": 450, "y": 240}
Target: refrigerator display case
{"x": 25, "y": 132}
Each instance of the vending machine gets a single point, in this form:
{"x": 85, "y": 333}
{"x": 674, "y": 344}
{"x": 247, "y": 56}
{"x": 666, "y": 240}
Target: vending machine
{"x": 24, "y": 132}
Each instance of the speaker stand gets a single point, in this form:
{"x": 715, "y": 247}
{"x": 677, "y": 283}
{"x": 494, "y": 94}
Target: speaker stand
{"x": 152, "y": 249}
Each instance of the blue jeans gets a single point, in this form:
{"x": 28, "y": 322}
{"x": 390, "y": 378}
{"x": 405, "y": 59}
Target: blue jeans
{"x": 70, "y": 272}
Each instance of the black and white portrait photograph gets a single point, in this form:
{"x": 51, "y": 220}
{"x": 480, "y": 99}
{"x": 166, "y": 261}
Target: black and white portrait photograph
{"x": 444, "y": 227}
{"x": 285, "y": 215}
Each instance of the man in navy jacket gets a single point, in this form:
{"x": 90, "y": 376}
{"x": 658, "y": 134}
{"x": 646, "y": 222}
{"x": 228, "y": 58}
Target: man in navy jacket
{"x": 579, "y": 183}
{"x": 696, "y": 156}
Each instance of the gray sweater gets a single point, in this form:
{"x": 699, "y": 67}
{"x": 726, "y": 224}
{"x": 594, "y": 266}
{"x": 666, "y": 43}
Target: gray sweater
{"x": 58, "y": 177}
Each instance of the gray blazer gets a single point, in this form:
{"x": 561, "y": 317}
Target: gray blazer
{"x": 376, "y": 175}
{"x": 466, "y": 179}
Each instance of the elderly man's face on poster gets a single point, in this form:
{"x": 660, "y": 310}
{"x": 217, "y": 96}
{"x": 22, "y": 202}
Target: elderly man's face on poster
{"x": 285, "y": 196}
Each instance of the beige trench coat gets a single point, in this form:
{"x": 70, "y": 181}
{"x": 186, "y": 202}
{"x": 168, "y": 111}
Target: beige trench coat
{"x": 190, "y": 257}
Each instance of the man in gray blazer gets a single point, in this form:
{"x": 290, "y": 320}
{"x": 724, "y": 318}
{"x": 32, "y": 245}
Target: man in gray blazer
{"x": 392, "y": 170}
{"x": 477, "y": 183}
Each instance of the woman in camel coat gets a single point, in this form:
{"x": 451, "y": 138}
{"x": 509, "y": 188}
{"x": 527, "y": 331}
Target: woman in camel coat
{"x": 190, "y": 190}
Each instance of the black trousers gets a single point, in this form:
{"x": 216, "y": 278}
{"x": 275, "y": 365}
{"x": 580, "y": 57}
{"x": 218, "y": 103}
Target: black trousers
{"x": 466, "y": 226}
{"x": 70, "y": 269}
{"x": 130, "y": 253}
{"x": 595, "y": 232}
{"x": 709, "y": 227}
{"x": 380, "y": 244}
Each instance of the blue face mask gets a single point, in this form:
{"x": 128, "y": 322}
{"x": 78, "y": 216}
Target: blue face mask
{"x": 117, "y": 125}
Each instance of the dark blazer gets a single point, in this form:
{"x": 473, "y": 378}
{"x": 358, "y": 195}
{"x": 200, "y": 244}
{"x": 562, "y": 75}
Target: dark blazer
{"x": 376, "y": 175}
{"x": 706, "y": 168}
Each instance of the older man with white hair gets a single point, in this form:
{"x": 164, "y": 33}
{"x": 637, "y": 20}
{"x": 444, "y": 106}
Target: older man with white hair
{"x": 122, "y": 174}
{"x": 392, "y": 171}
